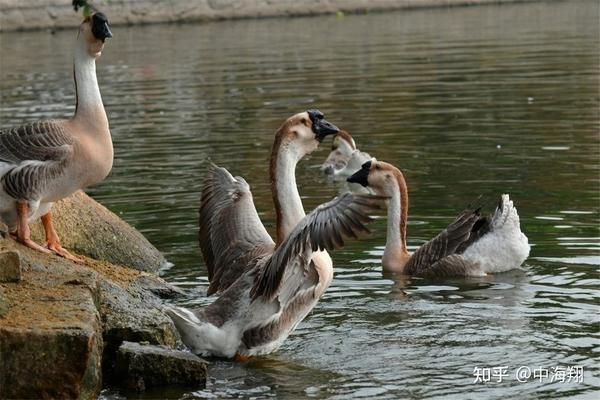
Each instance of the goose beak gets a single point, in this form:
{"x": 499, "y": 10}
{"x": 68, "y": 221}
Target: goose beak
{"x": 320, "y": 126}
{"x": 102, "y": 31}
{"x": 100, "y": 28}
{"x": 106, "y": 31}
{"x": 361, "y": 176}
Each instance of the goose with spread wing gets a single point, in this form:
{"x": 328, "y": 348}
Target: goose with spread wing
{"x": 45, "y": 161}
{"x": 266, "y": 287}
{"x": 472, "y": 245}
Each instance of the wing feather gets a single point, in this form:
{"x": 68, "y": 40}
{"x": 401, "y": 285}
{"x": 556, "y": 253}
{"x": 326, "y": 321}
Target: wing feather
{"x": 443, "y": 245}
{"x": 231, "y": 234}
{"x": 38, "y": 153}
{"x": 451, "y": 266}
{"x": 319, "y": 230}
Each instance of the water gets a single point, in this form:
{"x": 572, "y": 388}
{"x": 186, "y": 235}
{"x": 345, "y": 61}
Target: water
{"x": 467, "y": 101}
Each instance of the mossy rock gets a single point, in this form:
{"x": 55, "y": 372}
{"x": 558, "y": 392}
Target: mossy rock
{"x": 89, "y": 228}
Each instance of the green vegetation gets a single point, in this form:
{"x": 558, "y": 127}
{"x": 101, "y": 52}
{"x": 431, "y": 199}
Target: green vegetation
{"x": 85, "y": 6}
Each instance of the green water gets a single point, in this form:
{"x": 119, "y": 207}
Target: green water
{"x": 466, "y": 101}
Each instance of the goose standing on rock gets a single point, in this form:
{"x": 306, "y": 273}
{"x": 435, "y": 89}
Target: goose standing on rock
{"x": 344, "y": 159}
{"x": 266, "y": 287}
{"x": 470, "y": 246}
{"x": 45, "y": 161}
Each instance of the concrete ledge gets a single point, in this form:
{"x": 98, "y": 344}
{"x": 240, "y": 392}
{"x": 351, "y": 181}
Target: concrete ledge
{"x": 53, "y": 14}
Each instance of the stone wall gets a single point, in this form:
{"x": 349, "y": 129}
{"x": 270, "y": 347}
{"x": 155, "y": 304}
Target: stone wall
{"x": 52, "y": 14}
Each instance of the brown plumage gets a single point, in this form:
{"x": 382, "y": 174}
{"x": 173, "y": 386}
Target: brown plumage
{"x": 231, "y": 234}
{"x": 325, "y": 228}
{"x": 443, "y": 245}
{"x": 440, "y": 256}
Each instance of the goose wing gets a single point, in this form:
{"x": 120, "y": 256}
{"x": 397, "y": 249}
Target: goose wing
{"x": 325, "y": 228}
{"x": 231, "y": 234}
{"x": 443, "y": 245}
{"x": 36, "y": 153}
{"x": 452, "y": 266}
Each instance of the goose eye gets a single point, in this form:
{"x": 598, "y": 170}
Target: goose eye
{"x": 303, "y": 121}
{"x": 377, "y": 167}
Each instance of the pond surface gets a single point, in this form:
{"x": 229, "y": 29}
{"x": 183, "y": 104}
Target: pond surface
{"x": 466, "y": 101}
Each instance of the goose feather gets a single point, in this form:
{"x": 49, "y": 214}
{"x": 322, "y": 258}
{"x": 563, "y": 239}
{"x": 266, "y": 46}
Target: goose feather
{"x": 275, "y": 291}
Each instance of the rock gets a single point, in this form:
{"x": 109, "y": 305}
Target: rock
{"x": 159, "y": 287}
{"x": 62, "y": 323}
{"x": 10, "y": 266}
{"x": 127, "y": 317}
{"x": 3, "y": 305}
{"x": 144, "y": 366}
{"x": 88, "y": 228}
{"x": 50, "y": 343}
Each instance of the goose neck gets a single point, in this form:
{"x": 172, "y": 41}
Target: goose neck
{"x": 89, "y": 106}
{"x": 395, "y": 247}
{"x": 288, "y": 204}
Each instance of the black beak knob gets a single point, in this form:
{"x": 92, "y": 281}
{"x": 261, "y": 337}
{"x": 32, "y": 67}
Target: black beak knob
{"x": 362, "y": 175}
{"x": 320, "y": 126}
{"x": 100, "y": 28}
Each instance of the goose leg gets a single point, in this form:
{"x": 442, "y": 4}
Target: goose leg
{"x": 23, "y": 232}
{"x": 53, "y": 242}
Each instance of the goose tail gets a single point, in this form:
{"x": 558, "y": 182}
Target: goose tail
{"x": 505, "y": 214}
{"x": 182, "y": 318}
{"x": 504, "y": 247}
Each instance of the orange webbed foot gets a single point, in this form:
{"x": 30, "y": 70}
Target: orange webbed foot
{"x": 33, "y": 245}
{"x": 61, "y": 251}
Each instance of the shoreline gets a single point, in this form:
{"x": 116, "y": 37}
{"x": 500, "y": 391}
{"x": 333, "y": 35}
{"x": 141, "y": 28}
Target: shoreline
{"x": 16, "y": 15}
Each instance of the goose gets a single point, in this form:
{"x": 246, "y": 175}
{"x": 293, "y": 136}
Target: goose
{"x": 344, "y": 159}
{"x": 266, "y": 287}
{"x": 45, "y": 161}
{"x": 472, "y": 245}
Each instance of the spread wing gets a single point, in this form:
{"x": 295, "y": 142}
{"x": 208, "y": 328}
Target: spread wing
{"x": 325, "y": 228}
{"x": 37, "y": 153}
{"x": 231, "y": 234}
{"x": 444, "y": 244}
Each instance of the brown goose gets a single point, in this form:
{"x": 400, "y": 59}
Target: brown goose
{"x": 472, "y": 245}
{"x": 43, "y": 162}
{"x": 344, "y": 158}
{"x": 267, "y": 287}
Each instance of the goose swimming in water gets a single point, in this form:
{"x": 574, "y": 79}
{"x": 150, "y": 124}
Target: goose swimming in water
{"x": 45, "y": 161}
{"x": 344, "y": 159}
{"x": 472, "y": 245}
{"x": 266, "y": 287}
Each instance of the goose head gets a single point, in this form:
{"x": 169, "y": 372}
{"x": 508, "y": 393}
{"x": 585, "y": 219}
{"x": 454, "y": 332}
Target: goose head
{"x": 93, "y": 31}
{"x": 380, "y": 176}
{"x": 302, "y": 133}
{"x": 341, "y": 152}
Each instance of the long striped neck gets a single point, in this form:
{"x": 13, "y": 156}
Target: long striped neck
{"x": 89, "y": 107}
{"x": 288, "y": 204}
{"x": 395, "y": 248}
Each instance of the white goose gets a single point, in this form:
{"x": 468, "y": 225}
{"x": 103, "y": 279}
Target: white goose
{"x": 45, "y": 161}
{"x": 267, "y": 287}
{"x": 344, "y": 158}
{"x": 471, "y": 246}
